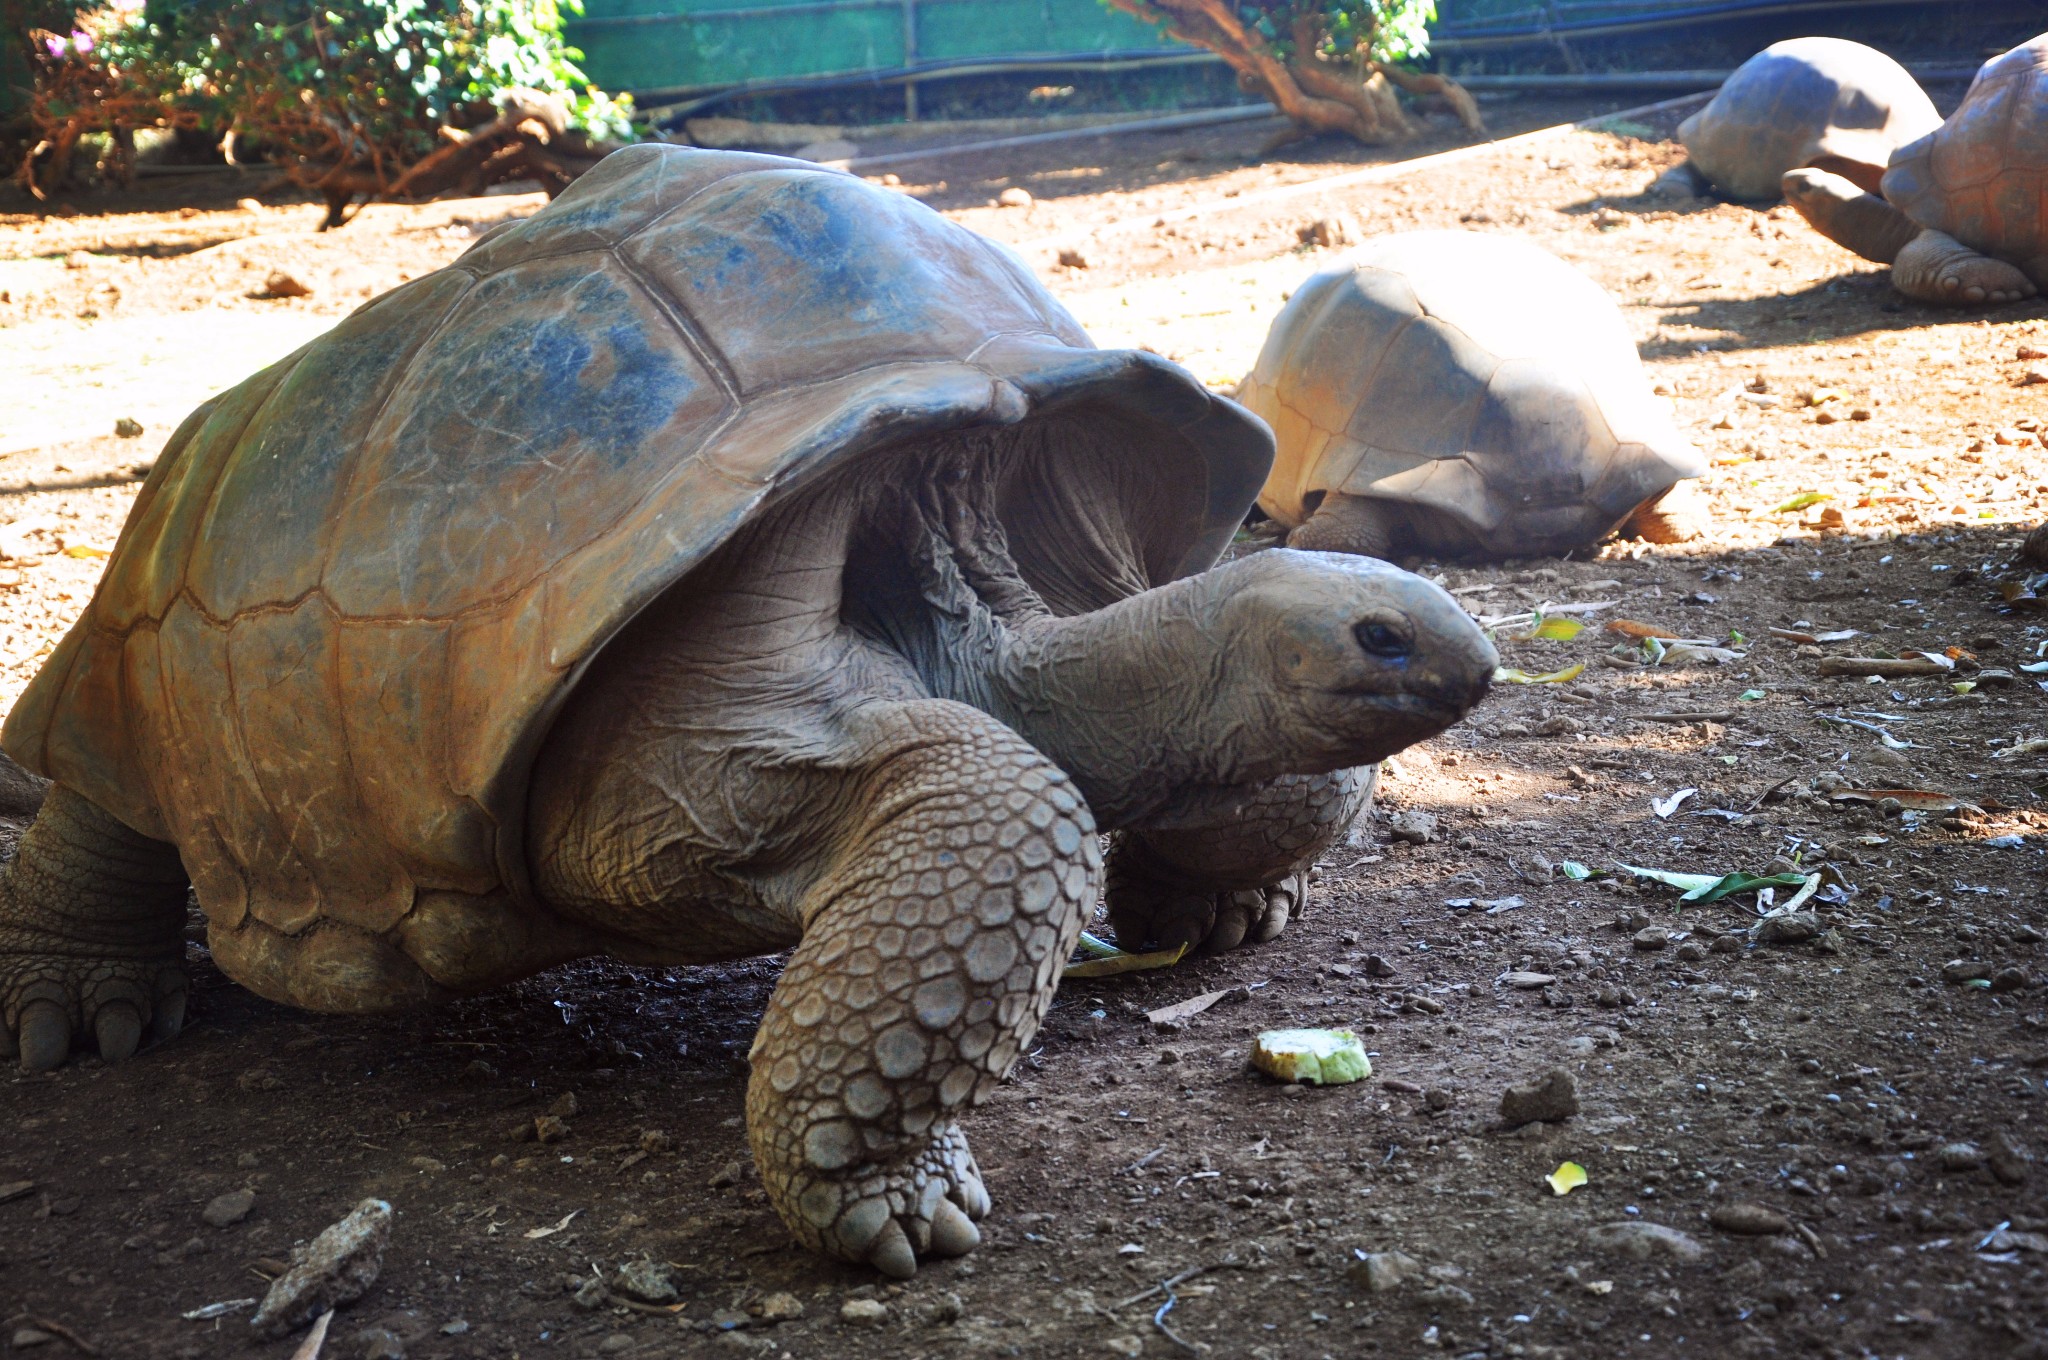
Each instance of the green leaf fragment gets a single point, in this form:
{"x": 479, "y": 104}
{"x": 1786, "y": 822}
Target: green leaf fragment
{"x": 1319, "y": 1057}
{"x": 1714, "y": 887}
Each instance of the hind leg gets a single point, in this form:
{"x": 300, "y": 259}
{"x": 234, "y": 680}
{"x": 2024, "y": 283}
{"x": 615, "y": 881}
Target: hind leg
{"x": 1938, "y": 268}
{"x": 91, "y": 935}
{"x": 1242, "y": 878}
{"x": 1351, "y": 524}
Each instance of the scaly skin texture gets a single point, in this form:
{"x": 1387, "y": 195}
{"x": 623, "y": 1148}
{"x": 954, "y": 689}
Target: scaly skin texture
{"x": 930, "y": 953}
{"x": 1351, "y": 524}
{"x": 1935, "y": 267}
{"x": 1239, "y": 878}
{"x": 91, "y": 934}
{"x": 1843, "y": 212}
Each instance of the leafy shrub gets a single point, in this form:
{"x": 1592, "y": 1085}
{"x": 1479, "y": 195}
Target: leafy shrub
{"x": 1330, "y": 65}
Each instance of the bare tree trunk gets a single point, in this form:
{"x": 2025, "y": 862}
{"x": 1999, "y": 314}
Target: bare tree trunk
{"x": 1317, "y": 95}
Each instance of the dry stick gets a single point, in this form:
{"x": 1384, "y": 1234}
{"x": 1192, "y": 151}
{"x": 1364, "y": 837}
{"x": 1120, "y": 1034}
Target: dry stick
{"x": 1758, "y": 801}
{"x": 1890, "y": 667}
{"x": 56, "y": 1328}
{"x": 1682, "y": 717}
{"x": 1227, "y": 1263}
{"x": 1371, "y": 174}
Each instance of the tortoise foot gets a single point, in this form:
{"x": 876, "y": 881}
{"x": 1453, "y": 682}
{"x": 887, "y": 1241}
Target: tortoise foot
{"x": 51, "y": 1002}
{"x": 1156, "y": 913}
{"x": 1940, "y": 269}
{"x": 892, "y": 1214}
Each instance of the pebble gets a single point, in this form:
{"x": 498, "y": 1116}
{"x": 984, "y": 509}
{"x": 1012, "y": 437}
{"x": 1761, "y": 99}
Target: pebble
{"x": 1014, "y": 197}
{"x": 1727, "y": 944}
{"x": 224, "y": 1211}
{"x": 654, "y": 1141}
{"x": 1965, "y": 970}
{"x": 565, "y": 1106}
{"x": 1377, "y": 967}
{"x": 1794, "y": 928}
{"x": 781, "y": 1306}
{"x": 618, "y": 1343}
{"x": 864, "y": 1312}
{"x": 1646, "y": 1241}
{"x": 1340, "y": 229}
{"x": 948, "y": 1307}
{"x": 726, "y": 1176}
{"x": 1437, "y": 1098}
{"x": 2008, "y": 1159}
{"x": 283, "y": 285}
{"x": 2009, "y": 980}
{"x": 1549, "y": 1098}
{"x": 1959, "y": 1157}
{"x": 1652, "y": 937}
{"x": 339, "y": 1267}
{"x": 1381, "y": 1271}
{"x": 1528, "y": 982}
{"x": 127, "y": 427}
{"x": 1072, "y": 258}
{"x": 550, "y": 1128}
{"x": 646, "y": 1280}
{"x": 1413, "y": 825}
{"x": 1692, "y": 951}
{"x": 1747, "y": 1219}
{"x": 26, "y": 1337}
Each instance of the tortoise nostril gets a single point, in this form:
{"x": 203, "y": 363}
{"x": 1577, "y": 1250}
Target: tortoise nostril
{"x": 1381, "y": 640}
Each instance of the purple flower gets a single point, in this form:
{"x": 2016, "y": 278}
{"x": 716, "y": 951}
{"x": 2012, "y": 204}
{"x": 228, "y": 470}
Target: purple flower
{"x": 55, "y": 44}
{"x": 81, "y": 42}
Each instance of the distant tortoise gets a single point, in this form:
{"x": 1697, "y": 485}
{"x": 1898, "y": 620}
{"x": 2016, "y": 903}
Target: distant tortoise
{"x": 1821, "y": 102}
{"x": 1963, "y": 216}
{"x": 1463, "y": 395}
{"x": 731, "y": 558}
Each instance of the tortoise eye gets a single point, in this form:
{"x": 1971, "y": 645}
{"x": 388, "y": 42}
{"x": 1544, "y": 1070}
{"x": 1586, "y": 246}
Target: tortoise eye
{"x": 1380, "y": 640}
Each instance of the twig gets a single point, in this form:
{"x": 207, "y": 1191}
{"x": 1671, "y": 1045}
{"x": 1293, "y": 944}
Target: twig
{"x": 56, "y": 1328}
{"x": 309, "y": 1349}
{"x": 1227, "y": 1263}
{"x": 1841, "y": 721}
{"x": 1159, "y": 1321}
{"x": 1682, "y": 717}
{"x": 1759, "y": 800}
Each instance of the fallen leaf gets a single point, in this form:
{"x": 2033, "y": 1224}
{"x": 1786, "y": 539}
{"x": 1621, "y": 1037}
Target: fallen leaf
{"x": 1919, "y": 800}
{"x": 1749, "y": 696}
{"x": 1714, "y": 887}
{"x": 1554, "y": 629}
{"x": 1631, "y": 629}
{"x": 1801, "y": 501}
{"x": 1120, "y": 962}
{"x": 86, "y": 550}
{"x": 533, "y": 1233}
{"x": 1521, "y": 677}
{"x": 1577, "y": 872}
{"x": 2032, "y": 746}
{"x": 1568, "y": 1177}
{"x": 1180, "y": 1012}
{"x": 1664, "y": 807}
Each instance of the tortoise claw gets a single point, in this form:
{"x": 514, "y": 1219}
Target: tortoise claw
{"x": 45, "y": 1035}
{"x": 890, "y": 1252}
{"x": 168, "y": 1017}
{"x": 118, "y": 1029}
{"x": 953, "y": 1232}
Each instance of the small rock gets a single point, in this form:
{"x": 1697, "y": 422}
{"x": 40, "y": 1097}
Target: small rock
{"x": 1646, "y": 1241}
{"x": 618, "y": 1343}
{"x": 1340, "y": 229}
{"x": 1959, "y": 1157}
{"x": 1747, "y": 1219}
{"x": 2009, "y": 1159}
{"x": 1413, "y": 825}
{"x": 1014, "y": 197}
{"x": 1381, "y": 1271}
{"x": 224, "y": 1211}
{"x": 550, "y": 1128}
{"x": 1528, "y": 982}
{"x": 2009, "y": 980}
{"x": 1794, "y": 928}
{"x": 455, "y": 1327}
{"x": 590, "y": 1294}
{"x": 564, "y": 1106}
{"x": 646, "y": 1280}
{"x": 1727, "y": 944}
{"x": 864, "y": 1312}
{"x": 127, "y": 427}
{"x": 655, "y": 1141}
{"x": 338, "y": 1267}
{"x": 1437, "y": 1098}
{"x": 1965, "y": 970}
{"x": 1072, "y": 257}
{"x": 1559, "y": 726}
{"x": 379, "y": 1343}
{"x": 248, "y": 205}
{"x": 1423, "y": 1005}
{"x": 726, "y": 1176}
{"x": 78, "y": 259}
{"x": 283, "y": 285}
{"x": 1377, "y": 967}
{"x": 1692, "y": 951}
{"x": 1549, "y": 1098}
{"x": 781, "y": 1306}
{"x": 28, "y": 1337}
{"x": 947, "y": 1307}
{"x": 1651, "y": 937}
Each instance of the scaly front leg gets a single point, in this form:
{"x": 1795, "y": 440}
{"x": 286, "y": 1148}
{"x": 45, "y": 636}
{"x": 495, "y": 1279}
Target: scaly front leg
{"x": 931, "y": 947}
{"x": 1216, "y": 886}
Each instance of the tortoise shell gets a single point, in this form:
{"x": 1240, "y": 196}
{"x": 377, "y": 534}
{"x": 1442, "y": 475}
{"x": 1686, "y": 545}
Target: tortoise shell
{"x": 1476, "y": 377}
{"x": 1982, "y": 176}
{"x": 1823, "y": 102}
{"x": 355, "y": 588}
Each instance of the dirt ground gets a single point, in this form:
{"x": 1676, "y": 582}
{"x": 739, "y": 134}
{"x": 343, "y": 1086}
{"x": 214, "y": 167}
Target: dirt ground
{"x": 1878, "y": 1088}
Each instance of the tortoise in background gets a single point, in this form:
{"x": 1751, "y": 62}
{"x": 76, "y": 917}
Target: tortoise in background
{"x": 1453, "y": 394}
{"x": 1822, "y": 102}
{"x": 733, "y": 557}
{"x": 1961, "y": 215}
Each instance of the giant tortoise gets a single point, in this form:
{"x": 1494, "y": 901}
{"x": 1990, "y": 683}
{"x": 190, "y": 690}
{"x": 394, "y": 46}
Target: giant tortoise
{"x": 733, "y": 557}
{"x": 1455, "y": 394}
{"x": 1962, "y": 213}
{"x": 1822, "y": 102}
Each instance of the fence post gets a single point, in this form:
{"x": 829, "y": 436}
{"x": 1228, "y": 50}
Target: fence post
{"x": 909, "y": 59}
